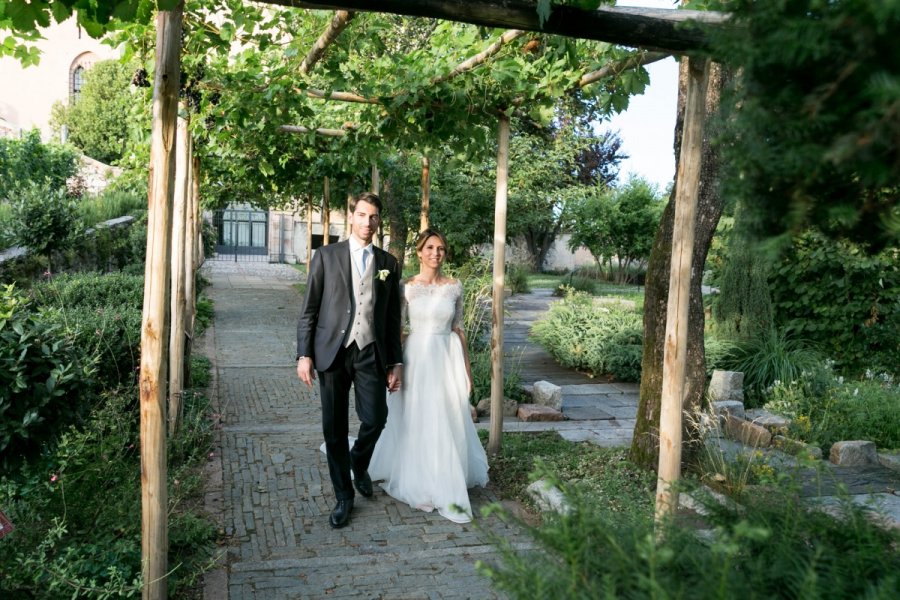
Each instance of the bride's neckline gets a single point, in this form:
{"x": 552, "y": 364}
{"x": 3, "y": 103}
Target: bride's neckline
{"x": 447, "y": 281}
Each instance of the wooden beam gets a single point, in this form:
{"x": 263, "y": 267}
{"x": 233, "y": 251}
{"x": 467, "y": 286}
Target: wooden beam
{"x": 635, "y": 60}
{"x": 178, "y": 291}
{"x": 500, "y": 197}
{"x": 481, "y": 57}
{"x": 154, "y": 326}
{"x": 675, "y": 349}
{"x": 424, "y": 217}
{"x": 339, "y": 22}
{"x": 656, "y": 29}
{"x": 320, "y": 131}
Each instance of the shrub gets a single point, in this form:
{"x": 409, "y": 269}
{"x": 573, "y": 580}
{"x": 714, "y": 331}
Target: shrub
{"x": 838, "y": 296}
{"x": 825, "y": 408}
{"x": 102, "y": 314}
{"x": 576, "y": 283}
{"x": 44, "y": 218}
{"x": 44, "y": 379}
{"x": 769, "y": 356}
{"x": 29, "y": 161}
{"x": 110, "y": 205}
{"x": 603, "y": 339}
{"x": 770, "y": 546}
{"x": 517, "y": 279}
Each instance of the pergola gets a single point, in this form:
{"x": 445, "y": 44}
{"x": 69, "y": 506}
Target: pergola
{"x": 173, "y": 175}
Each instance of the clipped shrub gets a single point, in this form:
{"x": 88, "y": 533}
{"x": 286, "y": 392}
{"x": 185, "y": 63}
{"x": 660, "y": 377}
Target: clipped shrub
{"x": 45, "y": 379}
{"x": 102, "y": 314}
{"x": 604, "y": 339}
{"x": 848, "y": 301}
{"x": 44, "y": 218}
{"x": 517, "y": 279}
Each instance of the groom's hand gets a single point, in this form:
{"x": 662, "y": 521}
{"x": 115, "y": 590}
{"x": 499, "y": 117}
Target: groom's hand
{"x": 394, "y": 378}
{"x": 305, "y": 370}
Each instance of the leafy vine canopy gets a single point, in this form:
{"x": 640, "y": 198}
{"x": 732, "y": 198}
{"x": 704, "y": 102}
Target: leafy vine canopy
{"x": 385, "y": 83}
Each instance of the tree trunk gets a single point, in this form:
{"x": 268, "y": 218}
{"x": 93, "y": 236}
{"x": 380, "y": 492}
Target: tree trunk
{"x": 424, "y": 215}
{"x": 397, "y": 227}
{"x": 326, "y": 212}
{"x": 645, "y": 444}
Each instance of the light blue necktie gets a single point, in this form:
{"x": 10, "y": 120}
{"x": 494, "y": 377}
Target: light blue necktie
{"x": 365, "y": 259}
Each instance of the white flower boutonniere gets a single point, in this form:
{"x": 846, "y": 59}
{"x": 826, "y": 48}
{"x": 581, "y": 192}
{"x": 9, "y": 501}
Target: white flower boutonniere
{"x": 383, "y": 274}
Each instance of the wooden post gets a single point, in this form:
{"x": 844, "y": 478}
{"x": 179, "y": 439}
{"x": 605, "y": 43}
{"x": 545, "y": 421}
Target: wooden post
{"x": 199, "y": 255}
{"x": 154, "y": 331}
{"x": 426, "y": 193}
{"x": 675, "y": 350}
{"x": 496, "y": 431}
{"x": 191, "y": 263}
{"x": 179, "y": 223}
{"x": 347, "y": 216}
{"x": 376, "y": 189}
{"x": 326, "y": 211}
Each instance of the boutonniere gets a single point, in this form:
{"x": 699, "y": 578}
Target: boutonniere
{"x": 383, "y": 274}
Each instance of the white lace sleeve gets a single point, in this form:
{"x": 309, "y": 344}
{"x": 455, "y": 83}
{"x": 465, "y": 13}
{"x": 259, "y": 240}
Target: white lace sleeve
{"x": 458, "y": 312}
{"x": 404, "y": 309}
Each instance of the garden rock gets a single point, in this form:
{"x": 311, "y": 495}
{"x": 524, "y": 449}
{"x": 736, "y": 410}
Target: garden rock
{"x": 510, "y": 407}
{"x": 747, "y": 433}
{"x": 724, "y": 408}
{"x": 547, "y": 394}
{"x": 548, "y": 497}
{"x": 796, "y": 448}
{"x": 768, "y": 420}
{"x": 854, "y": 453}
{"x": 726, "y": 385}
{"x": 538, "y": 412}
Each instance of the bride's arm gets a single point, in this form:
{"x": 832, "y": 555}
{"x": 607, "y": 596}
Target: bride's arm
{"x": 458, "y": 330}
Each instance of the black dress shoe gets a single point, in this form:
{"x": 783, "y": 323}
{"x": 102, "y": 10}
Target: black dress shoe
{"x": 363, "y": 484}
{"x": 340, "y": 516}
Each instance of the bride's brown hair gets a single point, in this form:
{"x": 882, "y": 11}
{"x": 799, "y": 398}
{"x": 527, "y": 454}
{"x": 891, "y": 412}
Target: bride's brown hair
{"x": 427, "y": 233}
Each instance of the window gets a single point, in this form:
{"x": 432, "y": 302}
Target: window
{"x": 76, "y": 74}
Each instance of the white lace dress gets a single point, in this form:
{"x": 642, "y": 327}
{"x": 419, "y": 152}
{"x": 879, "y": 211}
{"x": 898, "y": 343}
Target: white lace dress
{"x": 429, "y": 453}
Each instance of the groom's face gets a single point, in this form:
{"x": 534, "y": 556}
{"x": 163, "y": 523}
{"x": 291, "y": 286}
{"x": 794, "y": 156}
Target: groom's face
{"x": 365, "y": 220}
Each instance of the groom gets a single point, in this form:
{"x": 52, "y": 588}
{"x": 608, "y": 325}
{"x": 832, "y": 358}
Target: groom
{"x": 349, "y": 332}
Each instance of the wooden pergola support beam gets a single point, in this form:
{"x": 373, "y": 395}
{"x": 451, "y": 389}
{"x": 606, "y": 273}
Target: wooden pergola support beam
{"x": 655, "y": 29}
{"x": 339, "y": 22}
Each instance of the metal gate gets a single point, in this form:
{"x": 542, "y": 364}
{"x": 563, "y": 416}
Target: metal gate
{"x": 242, "y": 234}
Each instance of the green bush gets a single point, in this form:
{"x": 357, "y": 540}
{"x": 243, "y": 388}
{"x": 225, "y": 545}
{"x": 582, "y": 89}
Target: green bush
{"x": 102, "y": 315}
{"x": 835, "y": 294}
{"x": 825, "y": 408}
{"x": 44, "y": 218}
{"x": 768, "y": 357}
{"x": 110, "y": 205}
{"x": 517, "y": 279}
{"x": 576, "y": 283}
{"x": 44, "y": 379}
{"x": 768, "y": 547}
{"x": 29, "y": 161}
{"x": 605, "y": 339}
{"x": 67, "y": 544}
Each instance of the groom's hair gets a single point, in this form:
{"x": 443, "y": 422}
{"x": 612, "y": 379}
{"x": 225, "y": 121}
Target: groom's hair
{"x": 369, "y": 197}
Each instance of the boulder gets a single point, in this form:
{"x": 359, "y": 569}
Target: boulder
{"x": 547, "y": 394}
{"x": 726, "y": 385}
{"x": 510, "y": 407}
{"x": 538, "y": 412}
{"x": 747, "y": 433}
{"x": 854, "y": 453}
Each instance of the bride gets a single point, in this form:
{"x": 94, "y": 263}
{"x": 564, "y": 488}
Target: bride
{"x": 429, "y": 453}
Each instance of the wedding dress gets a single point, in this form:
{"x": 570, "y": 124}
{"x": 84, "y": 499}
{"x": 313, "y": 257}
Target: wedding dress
{"x": 429, "y": 453}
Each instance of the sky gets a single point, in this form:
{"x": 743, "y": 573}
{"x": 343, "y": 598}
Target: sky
{"x": 647, "y": 126}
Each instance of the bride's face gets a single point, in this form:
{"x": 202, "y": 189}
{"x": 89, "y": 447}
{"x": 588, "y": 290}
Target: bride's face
{"x": 432, "y": 253}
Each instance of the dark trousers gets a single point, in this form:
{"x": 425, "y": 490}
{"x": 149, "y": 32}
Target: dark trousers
{"x": 361, "y": 368}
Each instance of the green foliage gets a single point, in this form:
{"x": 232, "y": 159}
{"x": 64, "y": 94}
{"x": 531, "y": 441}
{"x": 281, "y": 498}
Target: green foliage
{"x": 44, "y": 380}
{"x": 811, "y": 137}
{"x": 517, "y": 279}
{"x": 604, "y": 339}
{"x": 743, "y": 305}
{"x": 769, "y": 546}
{"x": 67, "y": 544}
{"x": 95, "y": 121}
{"x": 825, "y": 408}
{"x": 29, "y": 161}
{"x": 204, "y": 316}
{"x": 44, "y": 218}
{"x": 770, "y": 356}
{"x": 618, "y": 225}
{"x": 842, "y": 297}
{"x": 110, "y": 205}
{"x": 576, "y": 283}
{"x": 102, "y": 315}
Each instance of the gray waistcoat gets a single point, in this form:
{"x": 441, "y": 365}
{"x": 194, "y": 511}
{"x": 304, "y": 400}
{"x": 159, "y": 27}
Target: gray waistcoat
{"x": 362, "y": 327}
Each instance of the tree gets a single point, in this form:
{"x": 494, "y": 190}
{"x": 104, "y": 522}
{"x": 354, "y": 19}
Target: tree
{"x": 617, "y": 223}
{"x": 645, "y": 443}
{"x": 97, "y": 121}
{"x": 812, "y": 136}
